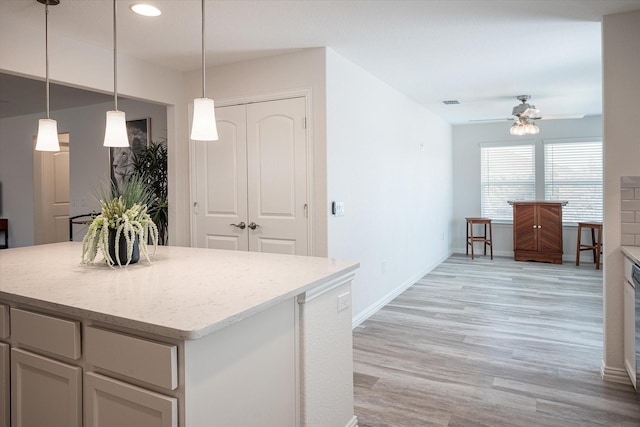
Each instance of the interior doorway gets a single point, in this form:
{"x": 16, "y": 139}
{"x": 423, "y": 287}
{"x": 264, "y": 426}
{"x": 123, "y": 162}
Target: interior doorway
{"x": 51, "y": 194}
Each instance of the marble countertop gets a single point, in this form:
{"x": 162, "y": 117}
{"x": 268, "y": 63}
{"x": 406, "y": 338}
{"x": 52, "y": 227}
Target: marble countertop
{"x": 633, "y": 252}
{"x": 186, "y": 293}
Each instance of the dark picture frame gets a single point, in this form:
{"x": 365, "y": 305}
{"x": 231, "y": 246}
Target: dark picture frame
{"x": 121, "y": 158}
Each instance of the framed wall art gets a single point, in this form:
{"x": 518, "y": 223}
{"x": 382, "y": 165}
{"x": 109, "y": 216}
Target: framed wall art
{"x": 121, "y": 158}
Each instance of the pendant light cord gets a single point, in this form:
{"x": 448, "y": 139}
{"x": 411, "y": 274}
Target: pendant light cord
{"x": 115, "y": 59}
{"x": 203, "y": 54}
{"x": 46, "y": 50}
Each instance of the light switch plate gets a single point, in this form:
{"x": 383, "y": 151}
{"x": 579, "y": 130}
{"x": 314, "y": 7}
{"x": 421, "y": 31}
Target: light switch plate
{"x": 339, "y": 208}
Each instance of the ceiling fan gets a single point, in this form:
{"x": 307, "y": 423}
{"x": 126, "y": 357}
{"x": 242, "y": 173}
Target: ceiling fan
{"x": 524, "y": 111}
{"x": 524, "y": 116}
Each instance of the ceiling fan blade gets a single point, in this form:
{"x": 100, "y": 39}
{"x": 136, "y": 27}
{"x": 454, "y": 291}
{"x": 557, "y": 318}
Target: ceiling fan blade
{"x": 493, "y": 120}
{"x": 559, "y": 117}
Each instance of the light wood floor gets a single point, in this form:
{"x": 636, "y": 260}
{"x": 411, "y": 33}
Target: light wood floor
{"x": 490, "y": 343}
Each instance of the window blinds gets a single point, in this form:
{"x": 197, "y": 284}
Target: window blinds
{"x": 507, "y": 173}
{"x": 573, "y": 172}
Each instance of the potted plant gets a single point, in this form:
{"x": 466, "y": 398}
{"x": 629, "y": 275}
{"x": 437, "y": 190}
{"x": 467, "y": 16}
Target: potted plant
{"x": 151, "y": 165}
{"x": 123, "y": 227}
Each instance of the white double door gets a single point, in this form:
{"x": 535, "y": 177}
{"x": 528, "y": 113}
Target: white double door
{"x": 250, "y": 186}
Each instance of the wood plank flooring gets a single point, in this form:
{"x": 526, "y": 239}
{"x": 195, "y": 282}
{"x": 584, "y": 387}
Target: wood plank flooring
{"x": 490, "y": 343}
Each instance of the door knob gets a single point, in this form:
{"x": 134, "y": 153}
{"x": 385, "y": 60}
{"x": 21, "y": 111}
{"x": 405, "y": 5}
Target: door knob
{"x": 253, "y": 225}
{"x": 241, "y": 226}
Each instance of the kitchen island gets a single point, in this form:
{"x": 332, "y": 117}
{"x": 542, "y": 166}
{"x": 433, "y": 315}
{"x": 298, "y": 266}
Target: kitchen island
{"x": 201, "y": 337}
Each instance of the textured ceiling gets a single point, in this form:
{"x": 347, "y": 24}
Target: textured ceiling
{"x": 481, "y": 52}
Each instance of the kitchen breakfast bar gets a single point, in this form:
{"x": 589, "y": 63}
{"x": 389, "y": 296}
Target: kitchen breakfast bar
{"x": 200, "y": 337}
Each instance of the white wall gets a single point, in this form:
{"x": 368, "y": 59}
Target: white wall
{"x": 78, "y": 64}
{"x": 89, "y": 160}
{"x": 398, "y": 198}
{"x": 621, "y": 82}
{"x": 466, "y": 174}
{"x": 261, "y": 78}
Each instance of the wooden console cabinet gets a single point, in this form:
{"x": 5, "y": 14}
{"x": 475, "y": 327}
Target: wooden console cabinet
{"x": 537, "y": 231}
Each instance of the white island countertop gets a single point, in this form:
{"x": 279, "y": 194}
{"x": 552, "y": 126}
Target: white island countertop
{"x": 633, "y": 252}
{"x": 186, "y": 293}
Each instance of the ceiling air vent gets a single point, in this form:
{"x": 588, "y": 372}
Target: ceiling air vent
{"x": 451, "y": 102}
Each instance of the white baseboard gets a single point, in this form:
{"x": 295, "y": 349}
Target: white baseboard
{"x": 353, "y": 422}
{"x": 459, "y": 251}
{"x": 614, "y": 375}
{"x": 372, "y": 309}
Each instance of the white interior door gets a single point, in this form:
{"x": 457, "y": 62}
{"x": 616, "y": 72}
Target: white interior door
{"x": 277, "y": 192}
{"x": 51, "y": 214}
{"x": 221, "y": 184}
{"x": 255, "y": 175}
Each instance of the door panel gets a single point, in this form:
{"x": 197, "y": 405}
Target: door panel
{"x": 550, "y": 231}
{"x": 5, "y": 418}
{"x": 221, "y": 183}
{"x": 51, "y": 190}
{"x": 256, "y": 172}
{"x": 524, "y": 231}
{"x": 277, "y": 184}
{"x": 45, "y": 392}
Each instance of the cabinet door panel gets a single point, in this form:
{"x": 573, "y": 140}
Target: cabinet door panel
{"x": 4, "y": 386}
{"x": 109, "y": 402}
{"x": 630, "y": 332}
{"x": 44, "y": 392}
{"x": 550, "y": 231}
{"x": 524, "y": 233}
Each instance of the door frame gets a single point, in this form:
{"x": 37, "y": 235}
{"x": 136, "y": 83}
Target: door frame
{"x": 305, "y": 93}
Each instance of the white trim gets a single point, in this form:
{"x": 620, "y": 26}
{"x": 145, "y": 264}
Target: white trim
{"x": 317, "y": 291}
{"x": 614, "y": 375}
{"x": 630, "y": 369}
{"x": 373, "y": 308}
{"x": 571, "y": 140}
{"x": 353, "y": 422}
{"x": 507, "y": 143}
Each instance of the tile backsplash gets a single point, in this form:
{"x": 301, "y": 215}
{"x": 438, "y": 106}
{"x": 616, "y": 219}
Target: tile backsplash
{"x": 630, "y": 199}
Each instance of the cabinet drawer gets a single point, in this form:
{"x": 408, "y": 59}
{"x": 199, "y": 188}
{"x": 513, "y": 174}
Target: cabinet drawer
{"x": 4, "y": 321}
{"x": 113, "y": 403}
{"x": 145, "y": 360}
{"x": 48, "y": 333}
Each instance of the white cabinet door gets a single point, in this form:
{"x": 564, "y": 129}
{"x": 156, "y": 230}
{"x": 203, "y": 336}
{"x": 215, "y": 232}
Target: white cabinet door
{"x": 44, "y": 392}
{"x": 109, "y": 402}
{"x": 5, "y": 419}
{"x": 630, "y": 331}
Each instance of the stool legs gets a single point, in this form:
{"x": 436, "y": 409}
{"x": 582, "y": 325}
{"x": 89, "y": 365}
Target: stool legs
{"x": 579, "y": 248}
{"x": 471, "y": 238}
{"x": 596, "y": 242}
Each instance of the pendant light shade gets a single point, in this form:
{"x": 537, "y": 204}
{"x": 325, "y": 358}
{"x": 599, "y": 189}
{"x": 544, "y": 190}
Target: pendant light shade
{"x": 203, "y": 127}
{"x": 204, "y": 120}
{"x": 115, "y": 134}
{"x": 47, "y": 135}
{"x": 47, "y": 139}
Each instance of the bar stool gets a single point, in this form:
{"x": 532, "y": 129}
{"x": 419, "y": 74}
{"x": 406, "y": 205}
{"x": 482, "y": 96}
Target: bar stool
{"x": 471, "y": 238}
{"x": 595, "y": 246}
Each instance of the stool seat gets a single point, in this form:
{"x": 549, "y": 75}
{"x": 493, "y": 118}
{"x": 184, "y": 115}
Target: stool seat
{"x": 472, "y": 238}
{"x": 596, "y": 241}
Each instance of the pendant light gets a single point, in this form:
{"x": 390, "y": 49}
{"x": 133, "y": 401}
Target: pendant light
{"x": 115, "y": 134}
{"x": 47, "y": 139}
{"x": 203, "y": 127}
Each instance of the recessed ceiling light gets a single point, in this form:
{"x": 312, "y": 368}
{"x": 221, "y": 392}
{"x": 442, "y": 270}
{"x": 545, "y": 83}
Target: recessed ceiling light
{"x": 145, "y": 9}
